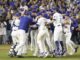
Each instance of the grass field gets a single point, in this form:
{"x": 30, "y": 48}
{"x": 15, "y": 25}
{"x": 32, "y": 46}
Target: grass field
{"x": 4, "y": 55}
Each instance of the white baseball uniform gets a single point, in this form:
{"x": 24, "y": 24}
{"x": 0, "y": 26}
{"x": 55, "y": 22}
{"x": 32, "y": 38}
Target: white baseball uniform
{"x": 43, "y": 35}
{"x": 58, "y": 26}
{"x": 68, "y": 34}
{"x": 33, "y": 34}
{"x": 58, "y": 41}
{"x": 14, "y": 32}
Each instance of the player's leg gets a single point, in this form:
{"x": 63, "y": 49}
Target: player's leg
{"x": 40, "y": 42}
{"x": 74, "y": 46}
{"x": 62, "y": 49}
{"x": 48, "y": 41}
{"x": 22, "y": 40}
{"x": 69, "y": 44}
{"x": 24, "y": 49}
{"x": 52, "y": 37}
{"x": 14, "y": 41}
{"x": 56, "y": 42}
{"x": 36, "y": 49}
{"x": 32, "y": 39}
{"x": 26, "y": 46}
{"x": 46, "y": 53}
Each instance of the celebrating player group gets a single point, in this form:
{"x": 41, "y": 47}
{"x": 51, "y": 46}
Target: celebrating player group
{"x": 45, "y": 33}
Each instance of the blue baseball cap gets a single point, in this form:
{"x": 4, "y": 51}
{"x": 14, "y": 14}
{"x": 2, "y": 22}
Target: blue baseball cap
{"x": 17, "y": 14}
{"x": 46, "y": 16}
{"x": 68, "y": 13}
{"x": 34, "y": 11}
{"x": 27, "y": 12}
{"x": 39, "y": 13}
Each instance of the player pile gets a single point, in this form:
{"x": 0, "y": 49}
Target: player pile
{"x": 44, "y": 40}
{"x": 45, "y": 29}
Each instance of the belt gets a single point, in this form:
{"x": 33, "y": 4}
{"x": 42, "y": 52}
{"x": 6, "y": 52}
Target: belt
{"x": 14, "y": 30}
{"x": 58, "y": 25}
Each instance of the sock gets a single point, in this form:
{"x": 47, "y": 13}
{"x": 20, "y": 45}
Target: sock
{"x": 57, "y": 47}
{"x": 62, "y": 47}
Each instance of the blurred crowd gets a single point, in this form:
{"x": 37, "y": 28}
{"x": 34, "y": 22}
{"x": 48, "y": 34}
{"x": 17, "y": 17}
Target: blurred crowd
{"x": 9, "y": 7}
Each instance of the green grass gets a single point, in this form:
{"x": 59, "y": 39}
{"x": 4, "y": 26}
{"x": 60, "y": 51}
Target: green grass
{"x": 4, "y": 55}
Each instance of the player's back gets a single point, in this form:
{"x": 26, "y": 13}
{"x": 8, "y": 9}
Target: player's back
{"x": 57, "y": 19}
{"x": 67, "y": 26}
{"x": 24, "y": 22}
{"x": 41, "y": 22}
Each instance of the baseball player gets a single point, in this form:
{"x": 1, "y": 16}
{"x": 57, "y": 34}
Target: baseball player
{"x": 25, "y": 21}
{"x": 34, "y": 42}
{"x": 33, "y": 32}
{"x": 67, "y": 33}
{"x": 43, "y": 35}
{"x": 58, "y": 18}
{"x": 49, "y": 22}
{"x": 14, "y": 33}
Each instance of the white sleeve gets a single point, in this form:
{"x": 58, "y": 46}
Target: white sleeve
{"x": 36, "y": 19}
{"x": 38, "y": 22}
{"x": 54, "y": 17}
{"x": 5, "y": 23}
